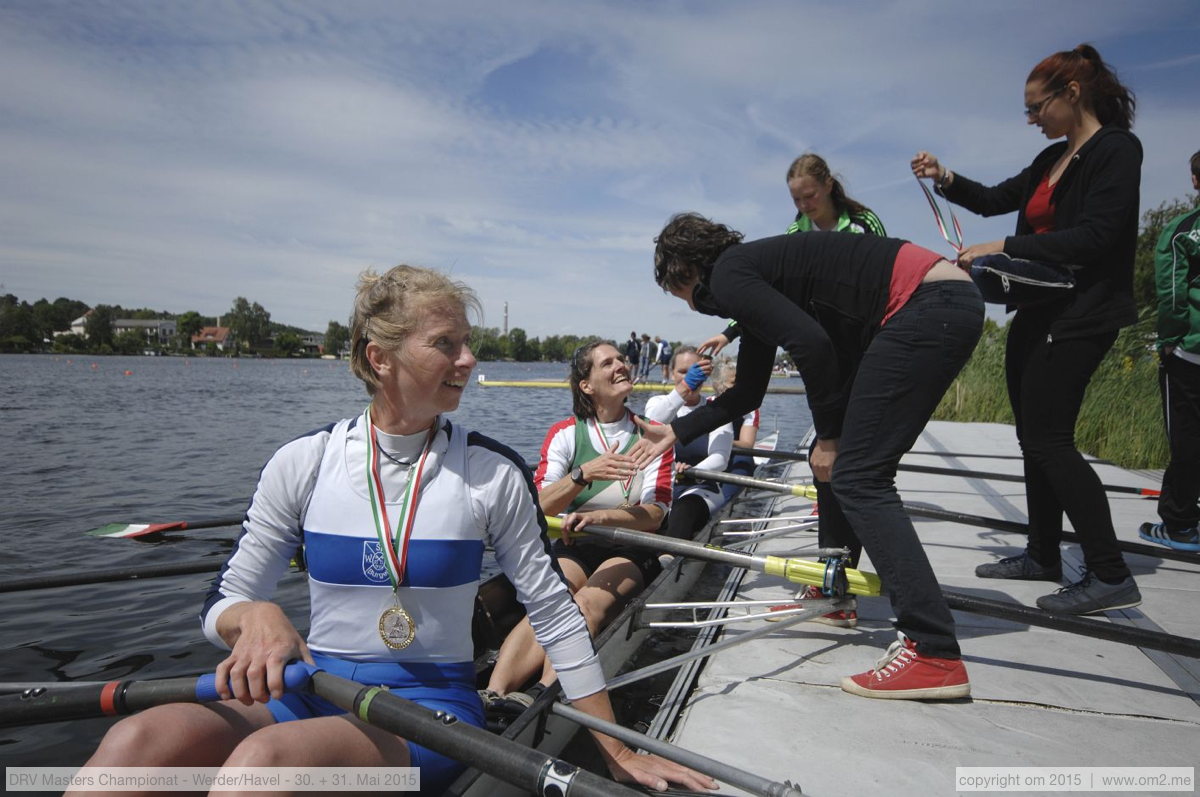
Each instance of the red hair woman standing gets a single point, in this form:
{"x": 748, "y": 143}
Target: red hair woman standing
{"x": 1077, "y": 204}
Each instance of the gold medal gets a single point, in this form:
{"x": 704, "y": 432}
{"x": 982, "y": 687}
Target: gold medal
{"x": 397, "y": 628}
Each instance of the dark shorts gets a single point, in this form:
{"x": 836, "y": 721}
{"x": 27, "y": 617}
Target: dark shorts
{"x": 433, "y": 686}
{"x": 590, "y": 555}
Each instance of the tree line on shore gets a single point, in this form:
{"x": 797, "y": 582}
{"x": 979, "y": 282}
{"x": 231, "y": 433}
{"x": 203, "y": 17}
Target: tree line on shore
{"x": 45, "y": 326}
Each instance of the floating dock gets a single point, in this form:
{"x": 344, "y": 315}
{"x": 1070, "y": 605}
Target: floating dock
{"x": 1040, "y": 697}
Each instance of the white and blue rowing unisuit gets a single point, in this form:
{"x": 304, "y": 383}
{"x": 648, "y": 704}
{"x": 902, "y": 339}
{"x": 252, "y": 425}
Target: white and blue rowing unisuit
{"x": 475, "y": 491}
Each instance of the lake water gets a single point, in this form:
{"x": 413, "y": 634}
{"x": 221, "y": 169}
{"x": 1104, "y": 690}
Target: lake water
{"x": 88, "y": 441}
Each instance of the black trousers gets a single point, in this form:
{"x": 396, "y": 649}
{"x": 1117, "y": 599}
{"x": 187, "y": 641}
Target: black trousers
{"x": 903, "y": 374}
{"x": 1046, "y": 384}
{"x": 1178, "y": 505}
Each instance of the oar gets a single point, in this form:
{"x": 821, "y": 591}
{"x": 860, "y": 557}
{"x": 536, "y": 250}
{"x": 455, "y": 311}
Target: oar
{"x": 523, "y": 767}
{"x": 142, "y": 529}
{"x": 863, "y": 583}
{"x": 726, "y": 773}
{"x": 439, "y": 731}
{"x": 1144, "y": 492}
{"x": 799, "y": 571}
{"x": 801, "y": 456}
{"x": 1085, "y": 626}
{"x": 116, "y": 574}
{"x": 797, "y": 490}
{"x": 935, "y": 513}
{"x": 51, "y": 703}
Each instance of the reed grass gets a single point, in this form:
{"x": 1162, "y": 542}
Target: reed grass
{"x": 1121, "y": 420}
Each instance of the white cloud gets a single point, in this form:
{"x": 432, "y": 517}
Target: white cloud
{"x": 178, "y": 155}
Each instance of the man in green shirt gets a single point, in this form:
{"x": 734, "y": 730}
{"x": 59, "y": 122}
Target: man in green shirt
{"x": 1177, "y": 278}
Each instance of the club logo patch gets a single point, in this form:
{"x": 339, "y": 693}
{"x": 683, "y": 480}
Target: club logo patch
{"x": 373, "y": 565}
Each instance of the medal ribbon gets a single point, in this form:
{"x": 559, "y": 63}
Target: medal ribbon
{"x": 397, "y": 552}
{"x": 626, "y": 484}
{"x": 940, "y": 218}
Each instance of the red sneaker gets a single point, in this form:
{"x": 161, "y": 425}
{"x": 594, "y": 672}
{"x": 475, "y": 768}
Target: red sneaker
{"x": 842, "y": 618}
{"x": 905, "y": 674}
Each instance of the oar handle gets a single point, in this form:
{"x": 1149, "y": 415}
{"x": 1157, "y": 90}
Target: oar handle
{"x": 295, "y": 678}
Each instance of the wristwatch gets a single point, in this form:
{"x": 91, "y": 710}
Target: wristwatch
{"x": 577, "y": 477}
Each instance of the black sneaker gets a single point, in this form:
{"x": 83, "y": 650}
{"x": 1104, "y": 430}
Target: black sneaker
{"x": 1020, "y": 567}
{"x": 1090, "y": 595}
{"x": 1186, "y": 540}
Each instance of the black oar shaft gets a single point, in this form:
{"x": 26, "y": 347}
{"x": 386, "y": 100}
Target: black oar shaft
{"x": 942, "y": 471}
{"x": 74, "y": 701}
{"x": 115, "y": 574}
{"x": 1023, "y": 528}
{"x": 503, "y": 759}
{"x": 802, "y": 456}
{"x": 1087, "y": 626}
{"x": 748, "y": 781}
{"x": 935, "y": 513}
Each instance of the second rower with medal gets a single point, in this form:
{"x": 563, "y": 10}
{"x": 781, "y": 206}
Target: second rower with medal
{"x": 584, "y": 472}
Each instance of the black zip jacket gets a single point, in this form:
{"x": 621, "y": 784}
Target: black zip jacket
{"x": 1095, "y": 228}
{"x": 820, "y": 296}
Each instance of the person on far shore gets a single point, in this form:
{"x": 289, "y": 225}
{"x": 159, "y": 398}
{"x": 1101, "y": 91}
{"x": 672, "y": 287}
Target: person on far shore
{"x": 633, "y": 349}
{"x": 647, "y": 354}
{"x": 664, "y": 358}
{"x": 1177, "y": 277}
{"x": 1077, "y": 205}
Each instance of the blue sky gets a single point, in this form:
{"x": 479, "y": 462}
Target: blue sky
{"x": 176, "y": 155}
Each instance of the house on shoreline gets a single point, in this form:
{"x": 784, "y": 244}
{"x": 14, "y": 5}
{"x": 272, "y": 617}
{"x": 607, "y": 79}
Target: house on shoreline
{"x": 156, "y": 331}
{"x": 218, "y": 336}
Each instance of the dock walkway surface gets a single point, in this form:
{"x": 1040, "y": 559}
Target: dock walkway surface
{"x": 1039, "y": 697}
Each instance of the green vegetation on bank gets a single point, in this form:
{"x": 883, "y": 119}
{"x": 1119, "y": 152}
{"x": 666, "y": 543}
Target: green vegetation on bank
{"x": 1121, "y": 419}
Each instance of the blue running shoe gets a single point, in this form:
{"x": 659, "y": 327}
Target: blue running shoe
{"x": 1186, "y": 540}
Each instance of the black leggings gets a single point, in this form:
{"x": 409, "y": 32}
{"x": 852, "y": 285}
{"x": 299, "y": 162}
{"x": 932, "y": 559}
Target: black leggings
{"x": 689, "y": 514}
{"x": 1046, "y": 383}
{"x": 1179, "y": 381}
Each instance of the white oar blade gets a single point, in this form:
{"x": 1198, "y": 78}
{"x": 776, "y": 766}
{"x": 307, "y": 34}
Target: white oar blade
{"x": 123, "y": 530}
